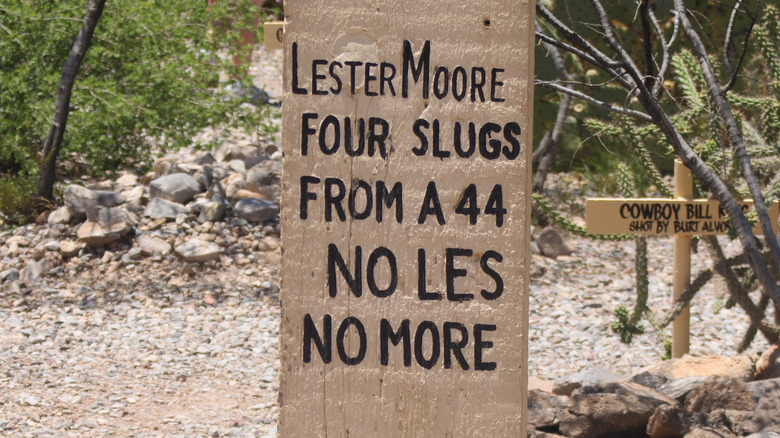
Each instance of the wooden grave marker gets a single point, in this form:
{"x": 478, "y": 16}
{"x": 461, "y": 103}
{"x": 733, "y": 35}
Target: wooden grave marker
{"x": 273, "y": 35}
{"x": 405, "y": 218}
{"x": 682, "y": 218}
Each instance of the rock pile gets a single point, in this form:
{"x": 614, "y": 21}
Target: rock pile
{"x": 685, "y": 398}
{"x": 194, "y": 206}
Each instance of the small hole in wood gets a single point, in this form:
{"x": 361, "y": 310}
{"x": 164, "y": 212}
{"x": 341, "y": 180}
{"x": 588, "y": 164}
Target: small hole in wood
{"x": 486, "y": 22}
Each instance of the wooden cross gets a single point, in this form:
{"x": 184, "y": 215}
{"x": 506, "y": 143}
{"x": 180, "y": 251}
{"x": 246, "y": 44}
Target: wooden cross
{"x": 273, "y": 35}
{"x": 681, "y": 217}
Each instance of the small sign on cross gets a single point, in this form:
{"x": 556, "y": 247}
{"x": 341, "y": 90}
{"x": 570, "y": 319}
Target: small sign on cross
{"x": 648, "y": 216}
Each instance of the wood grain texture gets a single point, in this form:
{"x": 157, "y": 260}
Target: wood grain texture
{"x": 426, "y": 398}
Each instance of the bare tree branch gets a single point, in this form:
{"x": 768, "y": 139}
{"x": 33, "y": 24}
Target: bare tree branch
{"x": 675, "y": 31}
{"x": 544, "y": 155}
{"x": 737, "y": 293}
{"x": 12, "y": 35}
{"x": 582, "y": 55}
{"x": 728, "y": 44}
{"x": 575, "y": 38}
{"x": 552, "y": 137}
{"x": 647, "y": 43}
{"x": 630, "y": 66}
{"x": 740, "y": 153}
{"x": 604, "y": 105}
{"x": 664, "y": 52}
{"x": 542, "y": 160}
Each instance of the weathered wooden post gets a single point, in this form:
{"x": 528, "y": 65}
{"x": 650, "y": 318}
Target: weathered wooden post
{"x": 405, "y": 222}
{"x": 683, "y": 189}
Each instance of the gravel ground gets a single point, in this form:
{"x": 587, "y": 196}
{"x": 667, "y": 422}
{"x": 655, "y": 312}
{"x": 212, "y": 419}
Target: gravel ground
{"x": 164, "y": 348}
{"x": 152, "y": 347}
{"x": 573, "y": 303}
{"x": 139, "y": 368}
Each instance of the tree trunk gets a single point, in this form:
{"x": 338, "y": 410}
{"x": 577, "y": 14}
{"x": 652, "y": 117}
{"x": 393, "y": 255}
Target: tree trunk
{"x": 53, "y": 143}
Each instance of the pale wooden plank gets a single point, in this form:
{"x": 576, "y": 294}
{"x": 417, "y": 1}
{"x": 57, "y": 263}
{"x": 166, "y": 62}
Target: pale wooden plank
{"x": 651, "y": 216}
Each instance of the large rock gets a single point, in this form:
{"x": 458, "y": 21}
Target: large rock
{"x": 105, "y": 225}
{"x": 176, "y": 187}
{"x": 539, "y": 434}
{"x": 237, "y": 165}
{"x": 34, "y": 270}
{"x": 657, "y": 375}
{"x": 261, "y": 176}
{"x": 551, "y": 243}
{"x": 162, "y": 164}
{"x": 256, "y": 210}
{"x": 153, "y": 246}
{"x": 610, "y": 410}
{"x": 253, "y": 161}
{"x": 127, "y": 180}
{"x": 202, "y": 174}
{"x": 269, "y": 243}
{"x": 229, "y": 151}
{"x": 246, "y": 194}
{"x": 203, "y": 157}
{"x": 673, "y": 422}
{"x": 160, "y": 208}
{"x": 216, "y": 189}
{"x": 765, "y": 417}
{"x": 679, "y": 388}
{"x": 18, "y": 240}
{"x": 266, "y": 192}
{"x": 196, "y": 251}
{"x": 768, "y": 365}
{"x": 540, "y": 384}
{"x": 109, "y": 216}
{"x": 233, "y": 183}
{"x": 62, "y": 215}
{"x": 9, "y": 274}
{"x": 188, "y": 168}
{"x": 709, "y": 432}
{"x": 105, "y": 185}
{"x": 735, "y": 421}
{"x": 588, "y": 377}
{"x": 545, "y": 410}
{"x": 720, "y": 393}
{"x": 212, "y": 211}
{"x": 760, "y": 388}
{"x": 80, "y": 199}
{"x": 135, "y": 198}
{"x": 204, "y": 177}
{"x": 69, "y": 248}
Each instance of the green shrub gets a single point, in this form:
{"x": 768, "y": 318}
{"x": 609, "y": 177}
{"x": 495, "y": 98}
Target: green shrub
{"x": 149, "y": 82}
{"x": 16, "y": 205}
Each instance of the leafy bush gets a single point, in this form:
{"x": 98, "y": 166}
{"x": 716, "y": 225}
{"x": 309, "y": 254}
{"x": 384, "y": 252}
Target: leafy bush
{"x": 148, "y": 83}
{"x": 16, "y": 204}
